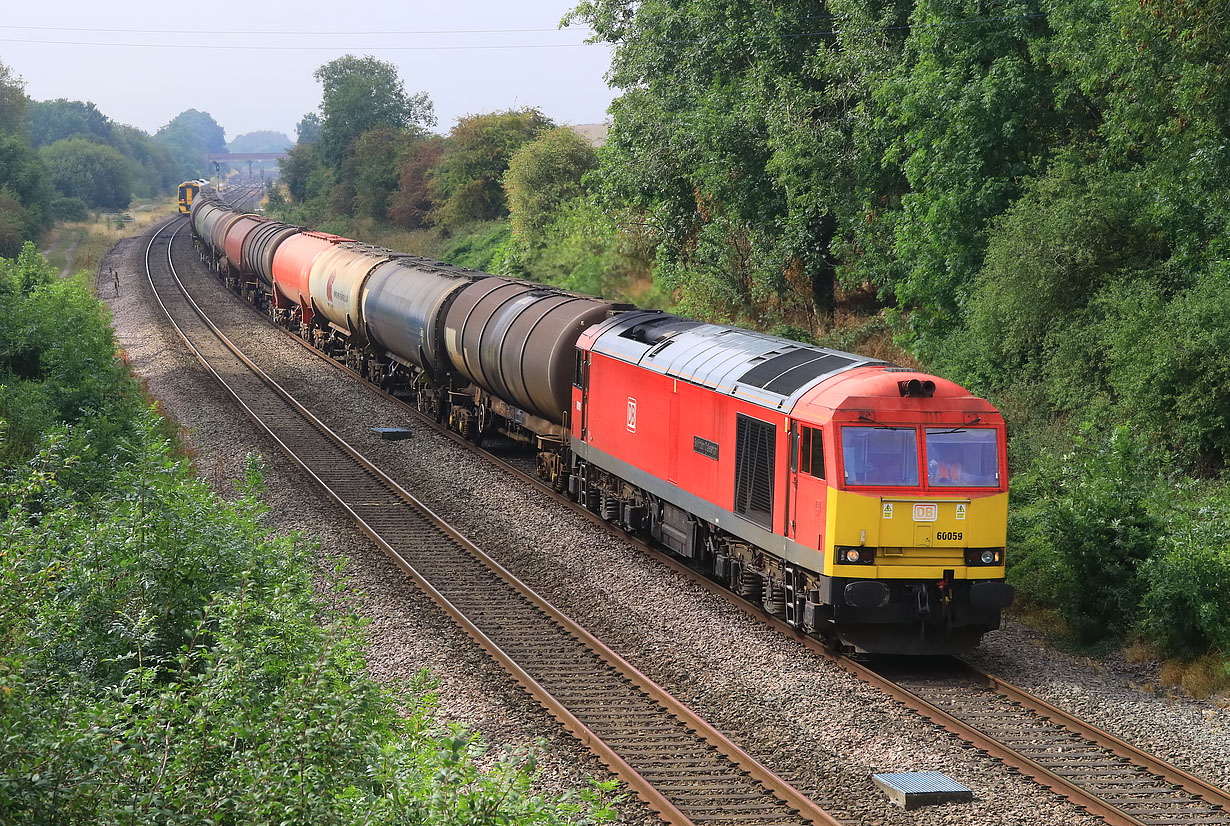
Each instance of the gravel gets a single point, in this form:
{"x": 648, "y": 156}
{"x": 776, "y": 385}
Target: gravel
{"x": 802, "y": 716}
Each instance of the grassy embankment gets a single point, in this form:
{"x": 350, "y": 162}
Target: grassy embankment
{"x": 77, "y": 246}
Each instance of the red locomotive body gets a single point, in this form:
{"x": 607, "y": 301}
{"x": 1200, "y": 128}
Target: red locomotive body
{"x": 819, "y": 483}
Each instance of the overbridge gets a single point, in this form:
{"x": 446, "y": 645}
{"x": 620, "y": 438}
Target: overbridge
{"x": 246, "y": 157}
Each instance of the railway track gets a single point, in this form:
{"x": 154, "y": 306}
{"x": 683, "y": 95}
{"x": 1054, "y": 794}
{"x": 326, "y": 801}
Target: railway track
{"x": 677, "y": 763}
{"x": 1106, "y": 776}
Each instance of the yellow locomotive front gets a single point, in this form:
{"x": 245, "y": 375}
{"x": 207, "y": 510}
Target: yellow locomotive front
{"x": 188, "y": 191}
{"x": 913, "y": 527}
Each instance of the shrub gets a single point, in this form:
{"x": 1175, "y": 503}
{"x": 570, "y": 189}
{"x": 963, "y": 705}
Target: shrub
{"x": 69, "y": 209}
{"x": 1187, "y": 605}
{"x": 1101, "y": 521}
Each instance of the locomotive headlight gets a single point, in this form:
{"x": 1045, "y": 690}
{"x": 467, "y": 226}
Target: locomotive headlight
{"x": 851, "y": 555}
{"x": 984, "y": 556}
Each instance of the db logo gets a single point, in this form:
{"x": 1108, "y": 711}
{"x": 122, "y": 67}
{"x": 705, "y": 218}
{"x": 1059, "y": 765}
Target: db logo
{"x": 631, "y": 414}
{"x": 926, "y": 513}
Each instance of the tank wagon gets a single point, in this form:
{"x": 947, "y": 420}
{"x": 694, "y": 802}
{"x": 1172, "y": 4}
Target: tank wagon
{"x": 856, "y": 500}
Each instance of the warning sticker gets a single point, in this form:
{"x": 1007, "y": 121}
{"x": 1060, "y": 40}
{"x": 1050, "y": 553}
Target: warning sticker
{"x": 888, "y": 510}
{"x": 960, "y": 511}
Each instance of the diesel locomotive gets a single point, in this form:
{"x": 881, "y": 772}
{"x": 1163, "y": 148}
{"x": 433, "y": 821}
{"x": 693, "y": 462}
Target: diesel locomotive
{"x": 858, "y": 501}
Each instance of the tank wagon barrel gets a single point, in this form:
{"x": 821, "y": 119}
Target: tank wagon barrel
{"x": 517, "y": 340}
{"x": 404, "y": 306}
{"x": 261, "y": 245}
{"x": 336, "y": 282}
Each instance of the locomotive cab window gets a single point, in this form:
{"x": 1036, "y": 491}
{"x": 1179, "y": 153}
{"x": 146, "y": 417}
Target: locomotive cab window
{"x": 962, "y": 458}
{"x": 880, "y": 456}
{"x": 811, "y": 452}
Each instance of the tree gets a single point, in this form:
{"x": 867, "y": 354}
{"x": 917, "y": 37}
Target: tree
{"x": 541, "y": 176}
{"x": 297, "y": 167}
{"x": 53, "y": 120}
{"x": 476, "y": 155}
{"x": 361, "y": 94}
{"x": 745, "y": 145}
{"x": 307, "y": 130}
{"x": 23, "y": 175}
{"x": 411, "y": 205}
{"x": 371, "y": 167}
{"x": 13, "y": 102}
{"x": 80, "y": 168}
{"x": 189, "y": 136}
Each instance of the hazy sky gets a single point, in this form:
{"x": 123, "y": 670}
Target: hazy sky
{"x": 250, "y": 64}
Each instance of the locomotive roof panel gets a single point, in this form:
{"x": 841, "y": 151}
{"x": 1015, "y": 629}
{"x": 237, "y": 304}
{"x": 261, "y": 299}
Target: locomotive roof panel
{"x": 763, "y": 369}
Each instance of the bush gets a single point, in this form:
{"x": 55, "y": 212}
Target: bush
{"x": 1187, "y": 605}
{"x": 69, "y": 209}
{"x": 1102, "y": 523}
{"x": 59, "y": 368}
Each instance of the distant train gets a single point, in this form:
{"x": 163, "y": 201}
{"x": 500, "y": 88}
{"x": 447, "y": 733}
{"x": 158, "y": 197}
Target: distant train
{"x": 188, "y": 192}
{"x": 855, "y": 500}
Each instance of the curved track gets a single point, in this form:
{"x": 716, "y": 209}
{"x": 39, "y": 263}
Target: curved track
{"x": 1108, "y": 777}
{"x": 677, "y": 763}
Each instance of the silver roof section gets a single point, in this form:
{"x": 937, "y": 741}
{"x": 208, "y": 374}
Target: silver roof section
{"x": 762, "y": 369}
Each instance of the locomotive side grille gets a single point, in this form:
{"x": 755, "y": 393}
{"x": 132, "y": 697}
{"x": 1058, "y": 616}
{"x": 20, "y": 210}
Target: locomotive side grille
{"x": 754, "y": 443}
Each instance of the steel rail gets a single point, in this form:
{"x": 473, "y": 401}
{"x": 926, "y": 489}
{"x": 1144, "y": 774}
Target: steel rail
{"x": 806, "y": 810}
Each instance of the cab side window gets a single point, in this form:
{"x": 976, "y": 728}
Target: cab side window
{"x": 811, "y": 452}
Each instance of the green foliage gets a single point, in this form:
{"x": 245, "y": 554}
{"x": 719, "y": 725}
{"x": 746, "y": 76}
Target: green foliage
{"x": 56, "y": 120}
{"x": 973, "y": 109}
{"x": 362, "y": 94}
{"x": 13, "y": 103}
{"x": 371, "y": 168}
{"x": 468, "y": 178}
{"x": 747, "y": 144}
{"x": 97, "y": 174}
{"x": 25, "y": 194}
{"x": 1102, "y": 521}
{"x": 542, "y": 175}
{"x": 188, "y": 138}
{"x": 69, "y": 209}
{"x": 1186, "y": 612}
{"x": 307, "y": 130}
{"x": 481, "y": 246}
{"x": 58, "y": 367}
